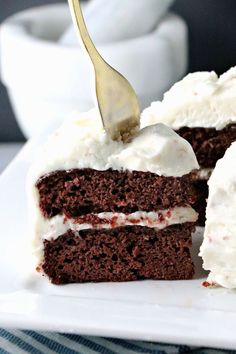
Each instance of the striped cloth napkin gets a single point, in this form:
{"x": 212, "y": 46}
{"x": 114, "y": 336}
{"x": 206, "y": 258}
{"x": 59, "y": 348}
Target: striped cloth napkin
{"x": 21, "y": 342}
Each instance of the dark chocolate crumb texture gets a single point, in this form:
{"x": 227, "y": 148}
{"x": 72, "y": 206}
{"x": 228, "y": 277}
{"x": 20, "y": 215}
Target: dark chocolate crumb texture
{"x": 209, "y": 144}
{"x": 121, "y": 254}
{"x": 80, "y": 192}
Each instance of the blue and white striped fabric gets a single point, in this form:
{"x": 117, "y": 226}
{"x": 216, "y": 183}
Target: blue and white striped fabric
{"x": 21, "y": 342}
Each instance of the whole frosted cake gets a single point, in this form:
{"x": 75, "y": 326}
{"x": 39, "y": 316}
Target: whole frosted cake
{"x": 202, "y": 109}
{"x": 102, "y": 210}
{"x": 219, "y": 246}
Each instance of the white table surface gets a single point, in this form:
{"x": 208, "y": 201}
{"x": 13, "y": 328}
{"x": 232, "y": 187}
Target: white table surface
{"x": 8, "y": 152}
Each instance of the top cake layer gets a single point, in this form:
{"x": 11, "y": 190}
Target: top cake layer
{"x": 219, "y": 247}
{"x": 201, "y": 99}
{"x": 81, "y": 142}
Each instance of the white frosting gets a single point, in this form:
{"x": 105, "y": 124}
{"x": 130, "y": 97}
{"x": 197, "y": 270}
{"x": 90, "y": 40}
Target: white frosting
{"x": 219, "y": 246}
{"x": 50, "y": 229}
{"x": 81, "y": 142}
{"x": 201, "y": 99}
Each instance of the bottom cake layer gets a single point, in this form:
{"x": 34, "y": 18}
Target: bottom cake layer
{"x": 120, "y": 254}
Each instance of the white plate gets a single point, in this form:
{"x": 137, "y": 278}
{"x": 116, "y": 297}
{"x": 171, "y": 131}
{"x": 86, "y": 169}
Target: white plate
{"x": 175, "y": 312}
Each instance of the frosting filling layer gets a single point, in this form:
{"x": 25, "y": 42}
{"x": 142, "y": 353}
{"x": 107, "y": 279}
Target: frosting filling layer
{"x": 60, "y": 224}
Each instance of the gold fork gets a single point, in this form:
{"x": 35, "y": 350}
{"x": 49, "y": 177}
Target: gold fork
{"x": 117, "y": 101}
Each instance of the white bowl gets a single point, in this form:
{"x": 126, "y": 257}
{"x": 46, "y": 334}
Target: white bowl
{"x": 46, "y": 80}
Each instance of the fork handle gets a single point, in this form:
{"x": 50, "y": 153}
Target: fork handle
{"x": 84, "y": 36}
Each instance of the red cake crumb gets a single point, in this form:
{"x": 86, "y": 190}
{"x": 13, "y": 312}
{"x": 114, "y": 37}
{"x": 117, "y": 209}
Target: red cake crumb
{"x": 38, "y": 269}
{"x": 225, "y": 238}
{"x": 114, "y": 221}
{"x": 134, "y": 221}
{"x": 206, "y": 284}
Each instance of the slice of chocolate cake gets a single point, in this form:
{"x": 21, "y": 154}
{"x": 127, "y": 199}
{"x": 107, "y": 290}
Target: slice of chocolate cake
{"x": 102, "y": 210}
{"x": 202, "y": 109}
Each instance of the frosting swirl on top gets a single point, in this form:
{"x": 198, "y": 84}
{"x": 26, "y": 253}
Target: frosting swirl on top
{"x": 81, "y": 142}
{"x": 201, "y": 99}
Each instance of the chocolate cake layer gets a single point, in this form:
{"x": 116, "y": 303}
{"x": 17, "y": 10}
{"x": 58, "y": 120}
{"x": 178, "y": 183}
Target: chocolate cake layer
{"x": 201, "y": 203}
{"x": 209, "y": 144}
{"x": 120, "y": 254}
{"x": 80, "y": 192}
